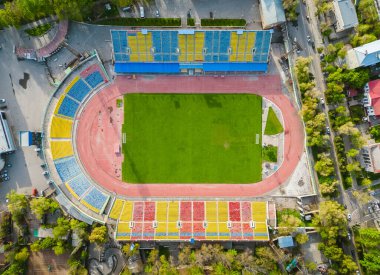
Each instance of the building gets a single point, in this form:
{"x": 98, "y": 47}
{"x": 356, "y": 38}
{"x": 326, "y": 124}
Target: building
{"x": 272, "y": 13}
{"x": 371, "y": 98}
{"x": 345, "y": 15}
{"x": 285, "y": 242}
{"x": 190, "y": 51}
{"x": 370, "y": 158}
{"x": 6, "y": 139}
{"x": 364, "y": 56}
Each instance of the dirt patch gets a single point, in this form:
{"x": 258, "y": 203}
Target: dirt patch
{"x": 46, "y": 262}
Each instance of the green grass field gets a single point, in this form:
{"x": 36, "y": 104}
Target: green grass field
{"x": 192, "y": 138}
{"x": 273, "y": 125}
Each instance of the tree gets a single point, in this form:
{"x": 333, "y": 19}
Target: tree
{"x": 122, "y": 3}
{"x": 80, "y": 228}
{"x": 17, "y": 205}
{"x": 327, "y": 189}
{"x": 331, "y": 221}
{"x": 348, "y": 129}
{"x": 332, "y": 252}
{"x": 62, "y": 228}
{"x": 289, "y": 224}
{"x": 98, "y": 235}
{"x": 130, "y": 252}
{"x": 42, "y": 206}
{"x": 353, "y": 167}
{"x": 59, "y": 248}
{"x": 76, "y": 267}
{"x": 22, "y": 256}
{"x": 369, "y": 237}
{"x": 352, "y": 153}
{"x": 348, "y": 266}
{"x": 371, "y": 261}
{"x": 302, "y": 238}
{"x": 184, "y": 255}
{"x": 366, "y": 182}
{"x": 324, "y": 166}
{"x": 290, "y": 7}
{"x": 302, "y": 69}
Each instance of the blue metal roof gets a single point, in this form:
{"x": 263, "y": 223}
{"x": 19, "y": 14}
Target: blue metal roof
{"x": 284, "y": 242}
{"x": 141, "y": 67}
{"x": 238, "y": 67}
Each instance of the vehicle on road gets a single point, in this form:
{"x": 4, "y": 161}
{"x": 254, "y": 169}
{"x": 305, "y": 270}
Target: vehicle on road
{"x": 322, "y": 101}
{"x": 328, "y": 130}
{"x": 2, "y": 101}
{"x": 142, "y": 13}
{"x": 157, "y": 13}
{"x": 349, "y": 217}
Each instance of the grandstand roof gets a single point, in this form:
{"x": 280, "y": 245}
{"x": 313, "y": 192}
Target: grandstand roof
{"x": 155, "y": 47}
{"x": 272, "y": 13}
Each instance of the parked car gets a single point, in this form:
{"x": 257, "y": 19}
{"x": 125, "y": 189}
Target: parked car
{"x": 157, "y": 13}
{"x": 328, "y": 130}
{"x": 349, "y": 217}
{"x": 2, "y": 101}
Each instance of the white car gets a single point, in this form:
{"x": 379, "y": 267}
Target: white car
{"x": 2, "y": 101}
{"x": 349, "y": 217}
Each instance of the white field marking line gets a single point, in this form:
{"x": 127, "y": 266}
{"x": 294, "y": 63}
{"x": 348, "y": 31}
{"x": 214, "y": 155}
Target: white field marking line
{"x": 257, "y": 139}
{"x": 124, "y": 137}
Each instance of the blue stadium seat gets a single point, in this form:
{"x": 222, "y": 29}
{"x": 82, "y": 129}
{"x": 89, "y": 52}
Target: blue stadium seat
{"x": 165, "y": 41}
{"x": 79, "y": 90}
{"x": 67, "y": 168}
{"x": 68, "y": 107}
{"x": 156, "y": 38}
{"x": 208, "y": 46}
{"x": 116, "y": 41}
{"x": 96, "y": 198}
{"x": 174, "y": 46}
{"x": 258, "y": 46}
{"x": 225, "y": 37}
{"x": 215, "y": 43}
{"x": 79, "y": 184}
{"x": 94, "y": 79}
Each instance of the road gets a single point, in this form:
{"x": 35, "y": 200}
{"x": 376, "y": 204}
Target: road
{"x": 307, "y": 25}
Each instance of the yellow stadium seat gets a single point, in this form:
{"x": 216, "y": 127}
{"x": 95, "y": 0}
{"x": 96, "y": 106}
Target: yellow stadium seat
{"x": 173, "y": 230}
{"x": 224, "y": 231}
{"x": 162, "y": 211}
{"x": 61, "y": 149}
{"x": 182, "y": 47}
{"x": 259, "y": 211}
{"x": 123, "y": 232}
{"x": 61, "y": 127}
{"x": 190, "y": 47}
{"x": 161, "y": 231}
{"x": 211, "y": 211}
{"x": 116, "y": 209}
{"x": 126, "y": 213}
{"x": 59, "y": 104}
{"x": 250, "y": 46}
{"x": 199, "y": 43}
{"x": 132, "y": 43}
{"x": 173, "y": 211}
{"x": 233, "y": 45}
{"x": 241, "y": 48}
{"x": 212, "y": 231}
{"x": 71, "y": 191}
{"x": 222, "y": 211}
{"x": 71, "y": 84}
{"x": 89, "y": 206}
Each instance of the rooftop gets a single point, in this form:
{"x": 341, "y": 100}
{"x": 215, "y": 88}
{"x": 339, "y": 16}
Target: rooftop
{"x": 272, "y": 13}
{"x": 285, "y": 242}
{"x": 364, "y": 56}
{"x": 374, "y": 93}
{"x": 345, "y": 15}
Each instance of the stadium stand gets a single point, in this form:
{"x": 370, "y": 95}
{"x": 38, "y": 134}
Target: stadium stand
{"x": 94, "y": 79}
{"x": 66, "y": 107}
{"x": 61, "y": 149}
{"x": 116, "y": 209}
{"x": 173, "y": 220}
{"x": 79, "y": 90}
{"x": 67, "y": 168}
{"x": 93, "y": 75}
{"x": 176, "y": 51}
{"x": 78, "y": 186}
{"x": 60, "y": 127}
{"x": 95, "y": 200}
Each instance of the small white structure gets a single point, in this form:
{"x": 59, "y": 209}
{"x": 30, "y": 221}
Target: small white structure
{"x": 6, "y": 139}
{"x": 272, "y": 13}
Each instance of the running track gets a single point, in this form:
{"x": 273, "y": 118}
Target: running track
{"x": 96, "y": 147}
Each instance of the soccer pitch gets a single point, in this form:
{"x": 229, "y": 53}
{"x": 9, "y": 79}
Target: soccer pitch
{"x": 192, "y": 138}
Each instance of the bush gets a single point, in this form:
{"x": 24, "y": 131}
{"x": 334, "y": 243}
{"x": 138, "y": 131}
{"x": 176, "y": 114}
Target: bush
{"x": 270, "y": 153}
{"x": 223, "y": 22}
{"x": 5, "y": 226}
{"x": 375, "y": 133}
{"x": 39, "y": 30}
{"x": 170, "y": 22}
{"x": 357, "y": 113}
{"x": 190, "y": 22}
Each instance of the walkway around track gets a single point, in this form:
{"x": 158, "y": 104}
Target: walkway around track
{"x": 95, "y": 155}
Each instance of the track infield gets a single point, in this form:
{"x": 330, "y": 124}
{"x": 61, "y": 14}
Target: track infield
{"x": 192, "y": 138}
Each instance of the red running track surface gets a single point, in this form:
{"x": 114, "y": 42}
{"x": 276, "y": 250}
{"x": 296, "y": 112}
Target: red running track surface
{"x": 98, "y": 135}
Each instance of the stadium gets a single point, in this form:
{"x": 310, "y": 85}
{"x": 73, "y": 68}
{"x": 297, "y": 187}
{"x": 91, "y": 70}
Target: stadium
{"x": 171, "y": 147}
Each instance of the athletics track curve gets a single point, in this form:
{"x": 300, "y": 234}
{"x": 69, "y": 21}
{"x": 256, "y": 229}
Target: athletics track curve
{"x": 96, "y": 134}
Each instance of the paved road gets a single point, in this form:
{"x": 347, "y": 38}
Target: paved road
{"x": 307, "y": 25}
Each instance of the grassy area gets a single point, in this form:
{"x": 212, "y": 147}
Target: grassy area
{"x": 172, "y": 22}
{"x": 270, "y": 153}
{"x": 291, "y": 212}
{"x": 273, "y": 125}
{"x": 190, "y": 22}
{"x": 119, "y": 103}
{"x": 223, "y": 22}
{"x": 192, "y": 138}
{"x": 357, "y": 113}
{"x": 39, "y": 30}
